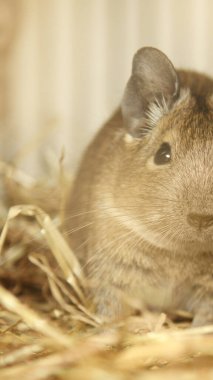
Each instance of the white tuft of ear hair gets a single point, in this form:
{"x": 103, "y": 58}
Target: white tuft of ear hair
{"x": 156, "y": 111}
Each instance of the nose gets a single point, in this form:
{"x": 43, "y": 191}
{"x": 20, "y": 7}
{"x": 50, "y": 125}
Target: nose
{"x": 200, "y": 221}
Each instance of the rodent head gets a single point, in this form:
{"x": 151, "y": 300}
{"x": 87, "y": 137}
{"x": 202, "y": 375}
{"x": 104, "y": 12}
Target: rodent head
{"x": 165, "y": 178}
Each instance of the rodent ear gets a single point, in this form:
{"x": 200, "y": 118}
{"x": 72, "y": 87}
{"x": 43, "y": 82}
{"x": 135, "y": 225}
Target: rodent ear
{"x": 150, "y": 91}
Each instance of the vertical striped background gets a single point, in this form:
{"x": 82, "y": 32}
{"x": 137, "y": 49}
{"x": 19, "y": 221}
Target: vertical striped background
{"x": 70, "y": 59}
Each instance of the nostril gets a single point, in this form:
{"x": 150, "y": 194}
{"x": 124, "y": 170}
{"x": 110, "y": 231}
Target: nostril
{"x": 200, "y": 221}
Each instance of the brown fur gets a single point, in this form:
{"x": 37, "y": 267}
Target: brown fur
{"x": 128, "y": 217}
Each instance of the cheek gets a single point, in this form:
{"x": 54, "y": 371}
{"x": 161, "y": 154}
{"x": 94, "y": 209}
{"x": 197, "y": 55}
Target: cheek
{"x": 157, "y": 199}
{"x": 145, "y": 190}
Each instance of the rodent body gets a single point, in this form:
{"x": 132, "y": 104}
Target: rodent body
{"x": 141, "y": 210}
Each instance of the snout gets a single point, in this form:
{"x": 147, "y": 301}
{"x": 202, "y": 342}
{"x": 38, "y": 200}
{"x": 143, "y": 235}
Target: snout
{"x": 200, "y": 221}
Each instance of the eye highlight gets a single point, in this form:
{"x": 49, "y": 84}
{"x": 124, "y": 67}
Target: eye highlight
{"x": 163, "y": 155}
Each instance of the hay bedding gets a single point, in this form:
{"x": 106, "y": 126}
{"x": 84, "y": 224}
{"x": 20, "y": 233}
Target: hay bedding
{"x": 47, "y": 329}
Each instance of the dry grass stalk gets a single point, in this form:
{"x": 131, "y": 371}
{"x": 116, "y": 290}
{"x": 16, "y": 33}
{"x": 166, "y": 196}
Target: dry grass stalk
{"x": 21, "y": 354}
{"x": 62, "y": 253}
{"x": 31, "y": 318}
{"x": 60, "y": 291}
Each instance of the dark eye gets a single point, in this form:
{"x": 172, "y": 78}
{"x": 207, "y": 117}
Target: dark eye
{"x": 163, "y": 155}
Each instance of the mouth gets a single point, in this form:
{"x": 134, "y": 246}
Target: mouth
{"x": 199, "y": 243}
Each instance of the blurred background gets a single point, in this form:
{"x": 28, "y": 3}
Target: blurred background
{"x": 64, "y": 65}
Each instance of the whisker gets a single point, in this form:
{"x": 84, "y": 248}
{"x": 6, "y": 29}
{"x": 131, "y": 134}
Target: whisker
{"x": 81, "y": 212}
{"x": 99, "y": 251}
{"x": 69, "y": 232}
